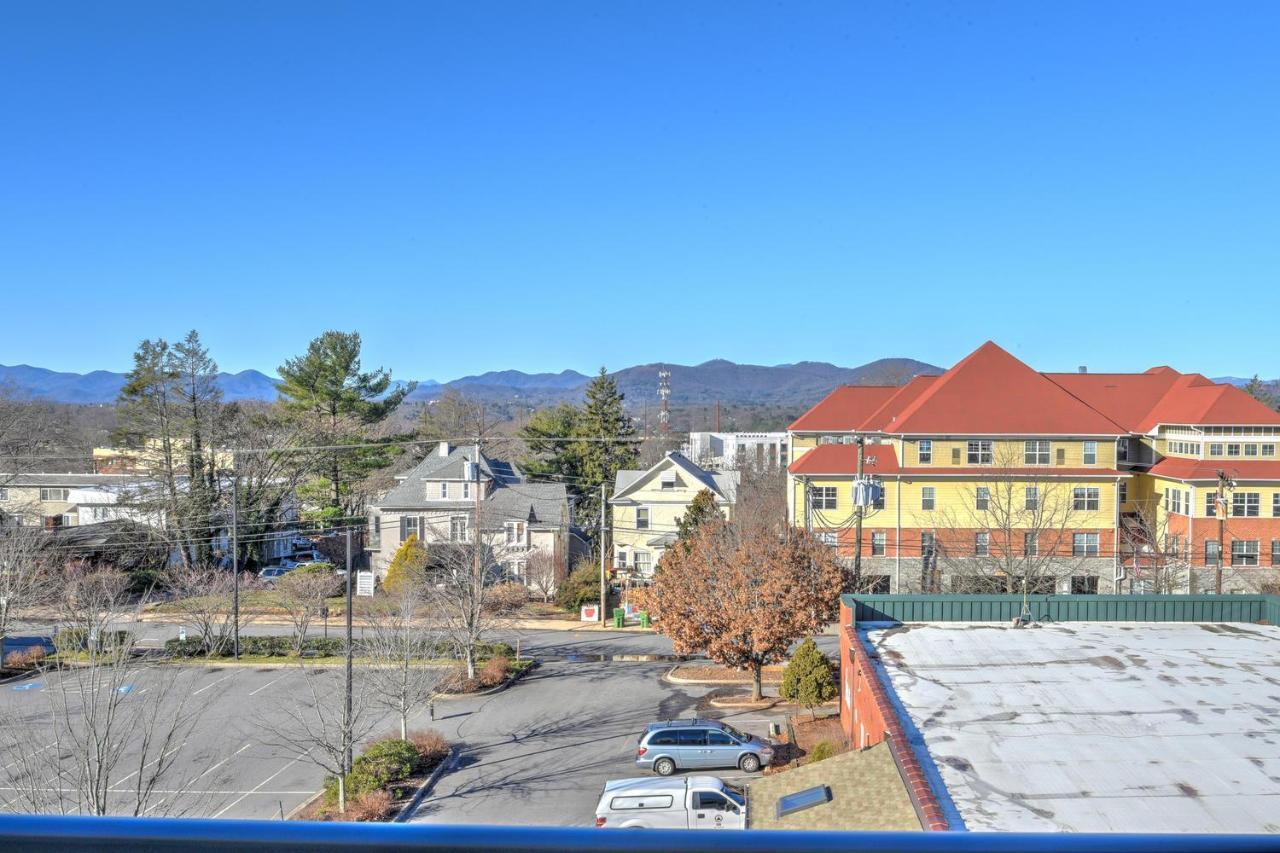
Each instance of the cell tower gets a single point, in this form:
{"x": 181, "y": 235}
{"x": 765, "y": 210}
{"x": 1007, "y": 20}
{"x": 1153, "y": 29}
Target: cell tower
{"x": 664, "y": 392}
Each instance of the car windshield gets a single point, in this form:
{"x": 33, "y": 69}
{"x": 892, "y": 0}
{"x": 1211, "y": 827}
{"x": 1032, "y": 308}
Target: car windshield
{"x": 737, "y": 734}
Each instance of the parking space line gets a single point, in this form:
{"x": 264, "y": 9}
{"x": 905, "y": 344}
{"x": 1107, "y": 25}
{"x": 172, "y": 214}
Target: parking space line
{"x": 258, "y": 787}
{"x": 19, "y": 760}
{"x": 268, "y": 684}
{"x": 163, "y": 756}
{"x": 212, "y": 683}
{"x": 222, "y": 762}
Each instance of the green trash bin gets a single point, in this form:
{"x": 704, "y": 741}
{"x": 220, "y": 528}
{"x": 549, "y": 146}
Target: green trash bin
{"x": 644, "y": 619}
{"x": 619, "y": 617}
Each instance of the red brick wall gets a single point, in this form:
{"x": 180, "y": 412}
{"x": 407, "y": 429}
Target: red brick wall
{"x": 959, "y": 541}
{"x": 1263, "y": 529}
{"x": 868, "y": 716}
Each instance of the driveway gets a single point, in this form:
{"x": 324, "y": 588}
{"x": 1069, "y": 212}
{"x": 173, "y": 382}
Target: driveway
{"x": 540, "y": 752}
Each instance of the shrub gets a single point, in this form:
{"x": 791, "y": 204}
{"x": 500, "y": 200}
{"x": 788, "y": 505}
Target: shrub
{"x": 407, "y": 565}
{"x": 823, "y": 749}
{"x": 370, "y": 806}
{"x": 77, "y": 640}
{"x": 494, "y": 672}
{"x": 807, "y": 680}
{"x": 431, "y": 746}
{"x": 382, "y": 764}
{"x": 581, "y": 587}
{"x": 506, "y": 597}
{"x": 24, "y": 658}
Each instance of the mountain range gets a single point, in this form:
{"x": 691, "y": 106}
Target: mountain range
{"x": 718, "y": 380}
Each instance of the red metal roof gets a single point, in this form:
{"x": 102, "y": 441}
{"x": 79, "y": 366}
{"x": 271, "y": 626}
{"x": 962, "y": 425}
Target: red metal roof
{"x": 990, "y": 392}
{"x": 1176, "y": 468}
{"x": 845, "y": 409}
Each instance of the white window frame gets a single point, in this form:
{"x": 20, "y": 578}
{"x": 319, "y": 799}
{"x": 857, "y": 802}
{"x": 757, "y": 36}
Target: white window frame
{"x": 1032, "y": 499}
{"x": 1123, "y": 497}
{"x": 444, "y": 491}
{"x": 46, "y": 495}
{"x": 1085, "y": 545}
{"x": 1086, "y": 498}
{"x": 1030, "y": 544}
{"x": 640, "y": 561}
{"x": 515, "y": 531}
{"x": 879, "y": 541}
{"x": 825, "y": 497}
{"x": 1089, "y": 453}
{"x": 982, "y": 498}
{"x": 642, "y": 518}
{"x": 979, "y": 450}
{"x": 928, "y": 498}
{"x": 1251, "y": 449}
{"x": 1233, "y": 447}
{"x": 1250, "y": 549}
{"x": 982, "y": 544}
{"x": 1246, "y": 504}
{"x": 1267, "y": 450}
{"x": 924, "y": 451}
{"x": 1037, "y": 451}
{"x": 456, "y": 522}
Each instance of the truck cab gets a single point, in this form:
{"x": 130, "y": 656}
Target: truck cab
{"x": 691, "y": 802}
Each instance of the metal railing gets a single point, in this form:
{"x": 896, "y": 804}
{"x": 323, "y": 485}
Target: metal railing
{"x": 27, "y": 834}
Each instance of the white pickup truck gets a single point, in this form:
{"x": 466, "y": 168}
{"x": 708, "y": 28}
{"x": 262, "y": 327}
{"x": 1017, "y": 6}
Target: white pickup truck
{"x": 690, "y": 802}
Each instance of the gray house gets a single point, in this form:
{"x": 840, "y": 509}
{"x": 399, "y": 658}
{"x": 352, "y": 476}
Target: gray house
{"x": 456, "y": 490}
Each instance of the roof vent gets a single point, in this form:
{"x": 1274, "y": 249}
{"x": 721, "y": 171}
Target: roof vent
{"x": 1084, "y": 368}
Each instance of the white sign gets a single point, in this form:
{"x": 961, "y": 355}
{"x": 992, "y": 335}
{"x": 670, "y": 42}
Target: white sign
{"x": 364, "y": 584}
{"x": 590, "y": 613}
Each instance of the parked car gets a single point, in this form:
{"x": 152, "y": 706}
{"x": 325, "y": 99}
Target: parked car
{"x": 271, "y": 574}
{"x": 673, "y": 745}
{"x": 692, "y": 802}
{"x": 302, "y": 558}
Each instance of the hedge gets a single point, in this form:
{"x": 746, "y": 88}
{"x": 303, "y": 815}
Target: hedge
{"x": 282, "y": 646}
{"x": 382, "y": 765}
{"x": 77, "y": 640}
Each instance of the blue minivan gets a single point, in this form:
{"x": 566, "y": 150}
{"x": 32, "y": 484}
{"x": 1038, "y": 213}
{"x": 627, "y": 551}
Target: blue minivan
{"x": 673, "y": 745}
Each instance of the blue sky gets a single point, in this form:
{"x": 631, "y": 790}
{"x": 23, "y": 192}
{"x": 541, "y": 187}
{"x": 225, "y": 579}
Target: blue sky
{"x": 479, "y": 186}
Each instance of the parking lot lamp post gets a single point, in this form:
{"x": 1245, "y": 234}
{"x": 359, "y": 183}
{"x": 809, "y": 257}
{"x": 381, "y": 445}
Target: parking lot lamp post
{"x": 346, "y": 719}
{"x": 235, "y": 556}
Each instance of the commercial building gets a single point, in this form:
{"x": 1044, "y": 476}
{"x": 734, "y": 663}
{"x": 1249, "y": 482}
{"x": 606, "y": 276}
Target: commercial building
{"x": 1161, "y": 717}
{"x": 735, "y": 451}
{"x": 993, "y": 474}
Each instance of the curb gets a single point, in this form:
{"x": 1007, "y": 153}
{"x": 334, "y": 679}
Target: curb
{"x": 410, "y": 807}
{"x": 304, "y": 805}
{"x": 492, "y": 690}
{"x": 675, "y": 679}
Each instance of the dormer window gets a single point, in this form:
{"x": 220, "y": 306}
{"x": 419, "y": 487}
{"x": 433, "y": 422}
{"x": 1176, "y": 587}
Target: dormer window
{"x": 668, "y": 480}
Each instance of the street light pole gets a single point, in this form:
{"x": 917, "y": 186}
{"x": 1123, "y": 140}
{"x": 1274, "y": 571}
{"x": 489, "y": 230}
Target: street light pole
{"x": 346, "y": 720}
{"x": 235, "y": 555}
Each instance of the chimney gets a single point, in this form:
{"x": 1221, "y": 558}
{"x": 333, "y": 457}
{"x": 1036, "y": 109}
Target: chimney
{"x": 1084, "y": 368}
{"x": 444, "y": 448}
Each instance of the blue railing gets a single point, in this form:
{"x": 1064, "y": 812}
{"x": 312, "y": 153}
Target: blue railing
{"x": 22, "y": 833}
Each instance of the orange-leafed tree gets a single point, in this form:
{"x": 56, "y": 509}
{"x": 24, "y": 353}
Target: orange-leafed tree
{"x": 743, "y": 594}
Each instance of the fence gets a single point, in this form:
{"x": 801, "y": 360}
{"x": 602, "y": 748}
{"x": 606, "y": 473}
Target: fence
{"x": 1065, "y": 608}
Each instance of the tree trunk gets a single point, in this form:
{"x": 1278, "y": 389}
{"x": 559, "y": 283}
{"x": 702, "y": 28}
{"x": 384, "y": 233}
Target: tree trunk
{"x": 470, "y": 655}
{"x": 757, "y": 690}
{"x": 404, "y": 726}
{"x": 342, "y": 794}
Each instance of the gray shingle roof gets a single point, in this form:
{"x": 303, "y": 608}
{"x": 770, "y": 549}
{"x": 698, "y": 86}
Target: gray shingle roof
{"x": 725, "y": 483}
{"x": 71, "y": 480}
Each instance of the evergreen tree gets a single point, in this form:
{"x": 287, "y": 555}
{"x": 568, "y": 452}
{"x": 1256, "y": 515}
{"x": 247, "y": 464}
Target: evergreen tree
{"x": 407, "y": 565}
{"x": 701, "y": 510}
{"x": 1258, "y": 390}
{"x": 340, "y": 403}
{"x": 199, "y": 400}
{"x": 807, "y": 679}
{"x": 549, "y": 454}
{"x": 605, "y": 446}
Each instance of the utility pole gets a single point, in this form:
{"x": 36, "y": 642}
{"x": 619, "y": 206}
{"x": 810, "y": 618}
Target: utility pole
{"x": 717, "y": 415}
{"x": 1223, "y": 483}
{"x": 857, "y": 518}
{"x": 664, "y": 392}
{"x": 235, "y": 556}
{"x": 604, "y": 505}
{"x": 347, "y": 723}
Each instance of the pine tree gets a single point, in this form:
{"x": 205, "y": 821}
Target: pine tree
{"x": 807, "y": 680}
{"x": 1257, "y": 389}
{"x": 608, "y": 446}
{"x": 407, "y": 565}
{"x": 701, "y": 510}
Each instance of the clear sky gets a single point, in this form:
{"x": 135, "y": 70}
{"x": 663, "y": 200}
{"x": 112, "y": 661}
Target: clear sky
{"x": 542, "y": 185}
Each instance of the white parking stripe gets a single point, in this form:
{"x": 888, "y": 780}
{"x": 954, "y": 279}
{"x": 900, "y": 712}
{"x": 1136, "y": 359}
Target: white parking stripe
{"x": 222, "y": 762}
{"x": 265, "y": 686}
{"x": 121, "y": 781}
{"x": 37, "y": 752}
{"x": 212, "y": 683}
{"x": 258, "y": 787}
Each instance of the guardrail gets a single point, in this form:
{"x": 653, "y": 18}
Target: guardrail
{"x": 28, "y": 834}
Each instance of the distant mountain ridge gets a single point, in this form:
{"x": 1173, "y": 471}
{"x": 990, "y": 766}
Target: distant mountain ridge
{"x": 726, "y": 381}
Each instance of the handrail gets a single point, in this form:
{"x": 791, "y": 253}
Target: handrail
{"x": 31, "y": 833}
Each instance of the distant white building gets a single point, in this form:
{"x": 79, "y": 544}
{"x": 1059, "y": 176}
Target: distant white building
{"x": 736, "y": 450}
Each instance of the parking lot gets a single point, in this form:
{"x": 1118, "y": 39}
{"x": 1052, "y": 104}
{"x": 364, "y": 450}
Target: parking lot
{"x": 541, "y": 752}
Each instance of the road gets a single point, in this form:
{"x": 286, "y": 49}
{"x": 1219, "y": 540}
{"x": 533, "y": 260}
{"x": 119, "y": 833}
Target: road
{"x": 540, "y": 752}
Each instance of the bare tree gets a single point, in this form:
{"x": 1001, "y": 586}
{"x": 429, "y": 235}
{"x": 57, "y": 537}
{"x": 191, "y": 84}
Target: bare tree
{"x": 1013, "y": 527}
{"x": 109, "y": 748}
{"x": 398, "y": 648}
{"x": 302, "y": 593}
{"x": 1156, "y": 559}
{"x": 542, "y": 573}
{"x": 318, "y": 728}
{"x": 202, "y": 595}
{"x": 25, "y": 579}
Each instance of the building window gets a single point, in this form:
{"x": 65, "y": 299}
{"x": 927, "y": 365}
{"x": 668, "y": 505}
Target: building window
{"x": 827, "y": 537}
{"x": 1091, "y": 453}
{"x": 1275, "y": 505}
{"x": 1245, "y": 504}
{"x": 1061, "y": 456}
{"x": 1030, "y": 545}
{"x": 1244, "y": 552}
{"x": 877, "y": 543}
{"x": 927, "y": 497}
{"x": 53, "y": 494}
{"x": 1122, "y": 450}
{"x": 1215, "y": 449}
{"x": 824, "y": 497}
{"x": 1211, "y": 504}
{"x": 955, "y": 456}
{"x": 1251, "y": 450}
{"x": 924, "y": 452}
{"x": 4, "y": 494}
{"x": 1212, "y": 552}
{"x": 1275, "y": 552}
{"x": 444, "y": 491}
{"x": 640, "y": 562}
{"x": 515, "y": 533}
{"x": 1084, "y": 498}
{"x": 621, "y": 560}
{"x": 1033, "y": 498}
{"x": 669, "y": 479}
{"x": 979, "y": 452}
{"x": 1084, "y": 545}
{"x": 466, "y": 491}
{"x": 410, "y": 525}
{"x": 1233, "y": 450}
{"x": 1174, "y": 500}
{"x": 1035, "y": 452}
{"x": 928, "y": 545}
{"x": 1084, "y": 584}
{"x": 981, "y": 544}
{"x": 982, "y": 498}
{"x": 1268, "y": 450}
{"x": 1171, "y": 546}
{"x": 458, "y": 528}
{"x": 1123, "y": 495}
{"x": 642, "y": 518}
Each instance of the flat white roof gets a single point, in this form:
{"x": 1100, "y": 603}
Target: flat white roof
{"x": 1097, "y": 727}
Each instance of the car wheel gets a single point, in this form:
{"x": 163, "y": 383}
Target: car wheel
{"x": 749, "y": 763}
{"x": 664, "y": 767}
